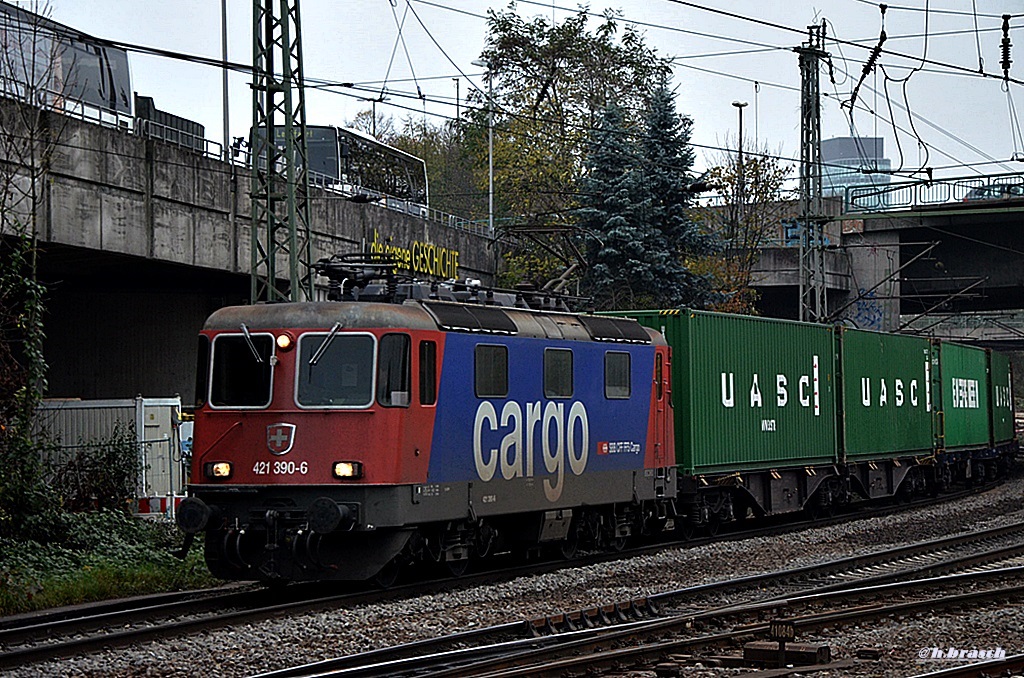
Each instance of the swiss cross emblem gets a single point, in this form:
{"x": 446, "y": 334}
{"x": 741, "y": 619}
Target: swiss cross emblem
{"x": 280, "y": 438}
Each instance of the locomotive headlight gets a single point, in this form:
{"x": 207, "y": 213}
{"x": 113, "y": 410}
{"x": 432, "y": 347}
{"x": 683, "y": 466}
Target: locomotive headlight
{"x": 348, "y": 470}
{"x": 285, "y": 342}
{"x": 218, "y": 470}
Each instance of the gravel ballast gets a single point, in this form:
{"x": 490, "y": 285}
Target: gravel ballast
{"x": 274, "y": 644}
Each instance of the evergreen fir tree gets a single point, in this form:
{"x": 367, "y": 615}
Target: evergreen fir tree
{"x": 627, "y": 254}
{"x": 668, "y": 161}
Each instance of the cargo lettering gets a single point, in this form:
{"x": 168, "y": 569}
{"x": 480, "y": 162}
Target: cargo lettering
{"x": 767, "y": 425}
{"x": 902, "y": 392}
{"x": 1002, "y": 396}
{"x": 729, "y": 397}
{"x": 965, "y": 394}
{"x": 515, "y": 454}
{"x": 808, "y": 390}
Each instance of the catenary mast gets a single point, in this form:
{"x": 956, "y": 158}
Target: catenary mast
{"x": 280, "y": 265}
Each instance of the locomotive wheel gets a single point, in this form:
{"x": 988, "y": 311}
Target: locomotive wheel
{"x": 568, "y": 547}
{"x": 388, "y": 574}
{"x": 714, "y": 524}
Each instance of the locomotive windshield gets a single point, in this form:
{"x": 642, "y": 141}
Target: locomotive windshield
{"x": 241, "y": 374}
{"x": 342, "y": 375}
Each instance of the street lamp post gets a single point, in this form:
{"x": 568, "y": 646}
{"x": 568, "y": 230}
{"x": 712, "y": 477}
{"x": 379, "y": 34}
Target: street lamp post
{"x": 741, "y": 178}
{"x": 490, "y": 147}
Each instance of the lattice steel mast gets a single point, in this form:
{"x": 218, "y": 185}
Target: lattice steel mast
{"x": 813, "y": 301}
{"x": 280, "y": 189}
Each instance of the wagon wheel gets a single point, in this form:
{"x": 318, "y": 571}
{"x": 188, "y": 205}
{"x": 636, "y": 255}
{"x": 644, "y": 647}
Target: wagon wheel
{"x": 684, "y": 528}
{"x": 714, "y": 525}
{"x": 617, "y": 544}
{"x": 455, "y": 568}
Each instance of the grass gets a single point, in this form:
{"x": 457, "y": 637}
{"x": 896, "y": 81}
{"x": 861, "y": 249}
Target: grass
{"x": 71, "y": 558}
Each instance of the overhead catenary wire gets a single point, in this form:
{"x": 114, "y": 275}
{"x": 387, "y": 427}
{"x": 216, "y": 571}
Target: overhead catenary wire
{"x": 245, "y": 68}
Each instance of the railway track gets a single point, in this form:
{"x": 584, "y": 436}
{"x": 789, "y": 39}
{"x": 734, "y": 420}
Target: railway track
{"x": 56, "y": 634}
{"x": 844, "y": 591}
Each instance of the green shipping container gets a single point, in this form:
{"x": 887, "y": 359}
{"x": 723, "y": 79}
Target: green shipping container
{"x": 1001, "y": 397}
{"x": 886, "y": 399}
{"x": 964, "y": 398}
{"x": 748, "y": 393}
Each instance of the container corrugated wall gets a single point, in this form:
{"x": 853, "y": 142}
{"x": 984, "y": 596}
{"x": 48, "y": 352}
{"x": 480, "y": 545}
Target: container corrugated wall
{"x": 749, "y": 393}
{"x": 1001, "y": 395}
{"x": 886, "y": 399}
{"x": 964, "y": 396}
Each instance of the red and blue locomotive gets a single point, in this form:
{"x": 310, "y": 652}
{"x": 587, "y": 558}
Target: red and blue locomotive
{"x": 407, "y": 423}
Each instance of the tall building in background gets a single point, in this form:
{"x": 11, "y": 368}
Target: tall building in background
{"x": 843, "y": 160}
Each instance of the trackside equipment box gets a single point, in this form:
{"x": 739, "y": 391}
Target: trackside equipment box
{"x": 73, "y": 424}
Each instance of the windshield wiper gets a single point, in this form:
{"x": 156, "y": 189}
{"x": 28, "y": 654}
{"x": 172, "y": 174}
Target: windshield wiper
{"x": 327, "y": 342}
{"x": 252, "y": 346}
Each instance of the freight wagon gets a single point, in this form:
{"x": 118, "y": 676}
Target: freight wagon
{"x": 773, "y": 416}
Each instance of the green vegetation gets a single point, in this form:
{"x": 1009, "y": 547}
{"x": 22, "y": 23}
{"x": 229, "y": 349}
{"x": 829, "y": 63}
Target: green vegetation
{"x": 63, "y": 558}
{"x": 77, "y": 540}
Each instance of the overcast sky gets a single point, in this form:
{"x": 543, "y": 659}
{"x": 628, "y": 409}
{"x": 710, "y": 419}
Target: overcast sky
{"x": 962, "y": 117}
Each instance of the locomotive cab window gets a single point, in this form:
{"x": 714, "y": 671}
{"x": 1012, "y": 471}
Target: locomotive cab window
{"x": 557, "y": 373}
{"x": 616, "y": 375}
{"x": 338, "y": 374}
{"x": 241, "y": 370}
{"x": 491, "y": 371}
{"x": 393, "y": 371}
{"x": 202, "y": 370}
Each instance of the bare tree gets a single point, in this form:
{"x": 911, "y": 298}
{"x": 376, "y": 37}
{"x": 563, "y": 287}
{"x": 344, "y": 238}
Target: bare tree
{"x": 746, "y": 210}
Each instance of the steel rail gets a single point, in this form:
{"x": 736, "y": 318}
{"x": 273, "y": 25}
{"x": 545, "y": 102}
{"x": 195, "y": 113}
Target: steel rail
{"x": 420, "y": 656}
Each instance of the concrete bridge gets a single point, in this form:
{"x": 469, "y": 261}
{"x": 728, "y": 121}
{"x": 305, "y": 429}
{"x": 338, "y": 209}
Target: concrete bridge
{"x": 141, "y": 240}
{"x": 929, "y": 258}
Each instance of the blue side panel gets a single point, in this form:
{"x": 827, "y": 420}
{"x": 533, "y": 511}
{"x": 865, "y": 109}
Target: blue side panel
{"x": 496, "y": 439}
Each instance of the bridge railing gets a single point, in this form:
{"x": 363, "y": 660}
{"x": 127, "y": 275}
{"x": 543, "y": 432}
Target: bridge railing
{"x": 357, "y": 193}
{"x": 194, "y": 142}
{"x": 923, "y": 193}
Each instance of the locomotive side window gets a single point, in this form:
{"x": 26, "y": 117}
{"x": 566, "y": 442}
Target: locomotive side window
{"x": 617, "y": 382}
{"x": 428, "y": 372}
{"x": 393, "y": 371}
{"x": 491, "y": 371}
{"x": 557, "y": 373}
{"x": 341, "y": 375}
{"x": 202, "y": 370}
{"x": 241, "y": 370}
{"x": 659, "y": 377}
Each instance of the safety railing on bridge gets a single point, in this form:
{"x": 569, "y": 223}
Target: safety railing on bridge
{"x": 176, "y": 137}
{"x": 357, "y": 193}
{"x": 980, "y": 190}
